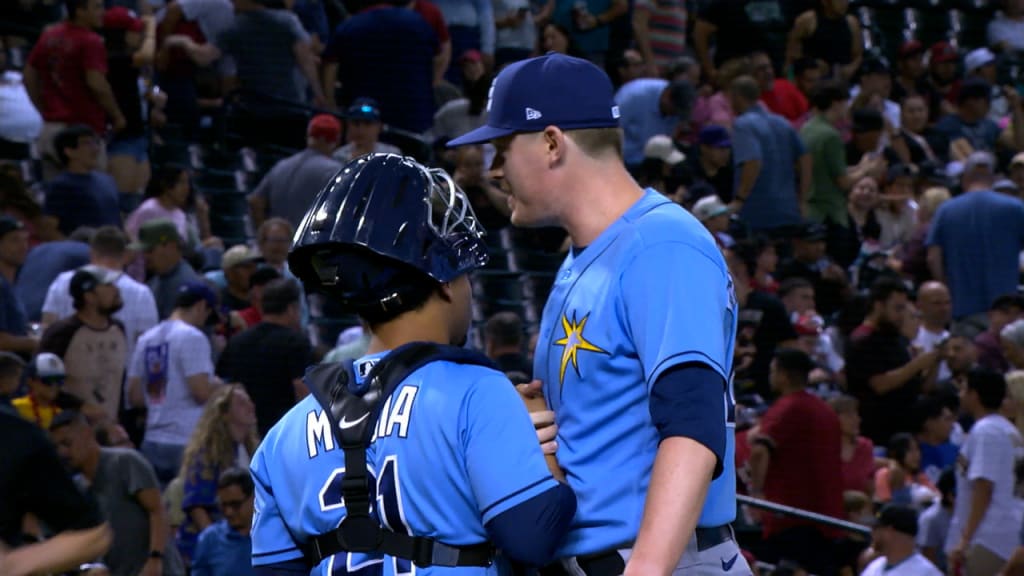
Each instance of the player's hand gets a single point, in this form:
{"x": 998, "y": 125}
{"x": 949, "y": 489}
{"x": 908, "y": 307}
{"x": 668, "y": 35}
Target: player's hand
{"x": 547, "y": 430}
{"x": 534, "y": 389}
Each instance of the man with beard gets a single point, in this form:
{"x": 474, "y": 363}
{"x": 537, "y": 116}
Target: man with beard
{"x": 92, "y": 342}
{"x": 880, "y": 371}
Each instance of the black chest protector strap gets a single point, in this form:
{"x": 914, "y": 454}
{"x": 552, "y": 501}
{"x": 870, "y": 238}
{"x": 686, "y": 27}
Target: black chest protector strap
{"x": 353, "y": 411}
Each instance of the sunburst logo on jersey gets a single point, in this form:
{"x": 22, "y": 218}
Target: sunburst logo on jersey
{"x": 572, "y": 343}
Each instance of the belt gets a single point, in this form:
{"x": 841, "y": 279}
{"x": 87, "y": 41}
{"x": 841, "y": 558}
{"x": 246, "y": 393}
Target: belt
{"x": 610, "y": 562}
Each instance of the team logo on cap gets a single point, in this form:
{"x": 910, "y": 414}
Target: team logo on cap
{"x": 615, "y": 112}
{"x": 532, "y": 114}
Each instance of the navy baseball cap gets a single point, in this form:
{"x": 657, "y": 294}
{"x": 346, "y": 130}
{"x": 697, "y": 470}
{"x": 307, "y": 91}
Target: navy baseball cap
{"x": 363, "y": 109}
{"x": 550, "y": 90}
{"x": 714, "y": 136}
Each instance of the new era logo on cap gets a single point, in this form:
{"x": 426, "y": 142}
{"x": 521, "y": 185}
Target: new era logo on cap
{"x": 573, "y": 94}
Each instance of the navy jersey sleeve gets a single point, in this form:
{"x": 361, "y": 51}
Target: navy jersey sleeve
{"x": 503, "y": 459}
{"x": 689, "y": 317}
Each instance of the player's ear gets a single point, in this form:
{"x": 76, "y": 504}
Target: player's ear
{"x": 554, "y": 144}
{"x": 444, "y": 290}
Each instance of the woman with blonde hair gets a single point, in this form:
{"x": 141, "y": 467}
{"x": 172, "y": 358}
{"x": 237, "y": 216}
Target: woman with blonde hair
{"x": 913, "y": 255}
{"x": 225, "y": 437}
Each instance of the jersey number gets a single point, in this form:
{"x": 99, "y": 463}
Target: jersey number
{"x": 386, "y": 492}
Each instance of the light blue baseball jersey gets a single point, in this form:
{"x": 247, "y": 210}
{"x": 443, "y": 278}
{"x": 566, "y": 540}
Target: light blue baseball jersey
{"x": 453, "y": 448}
{"x": 651, "y": 292}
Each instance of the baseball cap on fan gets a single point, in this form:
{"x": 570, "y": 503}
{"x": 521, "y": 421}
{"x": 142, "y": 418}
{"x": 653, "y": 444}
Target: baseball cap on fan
{"x": 121, "y": 18}
{"x": 550, "y": 90}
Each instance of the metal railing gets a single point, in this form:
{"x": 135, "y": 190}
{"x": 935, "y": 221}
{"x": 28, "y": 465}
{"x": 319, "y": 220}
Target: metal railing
{"x": 829, "y": 521}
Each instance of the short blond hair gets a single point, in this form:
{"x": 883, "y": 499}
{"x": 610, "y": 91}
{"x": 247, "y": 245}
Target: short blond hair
{"x": 932, "y": 198}
{"x": 596, "y": 142}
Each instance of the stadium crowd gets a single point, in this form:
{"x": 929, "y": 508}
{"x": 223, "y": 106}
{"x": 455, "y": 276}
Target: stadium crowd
{"x": 861, "y": 166}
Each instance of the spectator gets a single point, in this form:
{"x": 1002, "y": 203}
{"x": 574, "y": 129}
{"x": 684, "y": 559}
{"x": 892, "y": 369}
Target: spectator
{"x": 912, "y": 76}
{"x": 66, "y": 78}
{"x": 266, "y": 70}
{"x": 875, "y": 91}
{"x": 856, "y": 452}
{"x": 807, "y": 75}
{"x": 225, "y": 548}
{"x": 14, "y": 335}
{"x": 1006, "y": 30}
{"x": 238, "y": 264}
{"x": 763, "y": 327}
{"x": 911, "y": 135}
{"x": 710, "y": 165}
{"x": 292, "y": 183}
{"x": 461, "y": 115}
{"x": 591, "y": 23}
{"x": 162, "y": 248}
{"x": 935, "y": 304}
{"x": 253, "y": 315}
{"x": 386, "y": 52}
{"x": 797, "y": 295}
{"x": 1011, "y": 339}
{"x": 489, "y": 203}
{"x": 943, "y": 64}
{"x": 810, "y": 261}
{"x": 515, "y": 32}
{"x": 714, "y": 215}
{"x": 1003, "y": 311}
{"x": 12, "y": 368}
{"x": 362, "y": 130}
{"x": 737, "y": 26}
{"x": 20, "y": 122}
{"x": 81, "y": 195}
{"x": 716, "y": 108}
{"x": 974, "y": 243}
{"x": 131, "y": 46}
{"x": 270, "y": 358}
{"x": 18, "y": 202}
{"x": 128, "y": 494}
{"x": 933, "y": 524}
{"x": 224, "y": 437}
{"x": 961, "y": 356}
{"x": 867, "y": 128}
{"x": 969, "y": 123}
{"x": 107, "y": 250}
{"x": 934, "y": 421}
{"x": 631, "y": 65}
{"x": 981, "y": 63}
{"x": 794, "y": 460}
{"x": 648, "y": 107}
{"x": 44, "y": 377}
{"x": 1017, "y": 170}
{"x": 986, "y": 521}
{"x": 472, "y": 26}
{"x": 914, "y": 256}
{"x": 168, "y": 196}
{"x": 902, "y": 481}
{"x": 659, "y": 29}
{"x": 33, "y": 481}
{"x": 503, "y": 339}
{"x": 777, "y": 94}
{"x": 831, "y": 177}
{"x": 829, "y": 33}
{"x": 773, "y": 170}
{"x": 556, "y": 38}
{"x": 880, "y": 371}
{"x": 897, "y": 214}
{"x": 894, "y": 537}
{"x": 171, "y": 374}
{"x": 45, "y": 263}
{"x": 92, "y": 343}
{"x": 761, "y": 252}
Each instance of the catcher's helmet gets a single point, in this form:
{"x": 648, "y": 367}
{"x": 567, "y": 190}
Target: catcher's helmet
{"x": 382, "y": 222}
